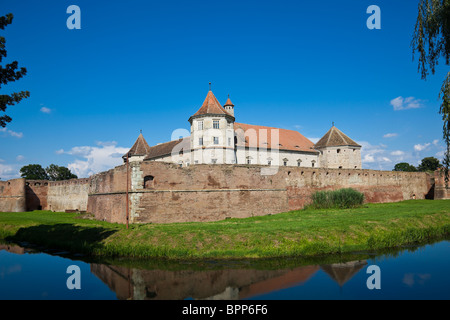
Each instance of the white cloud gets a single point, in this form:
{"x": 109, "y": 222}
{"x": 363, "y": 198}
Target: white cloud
{"x": 20, "y": 158}
{"x": 46, "y": 110}
{"x": 104, "y": 156}
{"x": 435, "y": 142}
{"x": 390, "y": 135}
{"x": 11, "y": 133}
{"x": 9, "y": 171}
{"x": 368, "y": 158}
{"x": 401, "y": 103}
{"x": 420, "y": 147}
{"x": 397, "y": 153}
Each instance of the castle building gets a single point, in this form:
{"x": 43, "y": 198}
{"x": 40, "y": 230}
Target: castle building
{"x": 216, "y": 138}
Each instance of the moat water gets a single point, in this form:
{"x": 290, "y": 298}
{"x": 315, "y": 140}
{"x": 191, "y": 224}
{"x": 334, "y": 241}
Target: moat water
{"x": 410, "y": 272}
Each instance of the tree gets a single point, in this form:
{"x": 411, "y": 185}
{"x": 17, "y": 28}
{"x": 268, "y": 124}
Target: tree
{"x": 432, "y": 41}
{"x": 404, "y": 166}
{"x": 57, "y": 173}
{"x": 429, "y": 164}
{"x": 33, "y": 172}
{"x": 9, "y": 73}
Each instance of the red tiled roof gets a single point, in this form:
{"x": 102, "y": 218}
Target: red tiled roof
{"x": 166, "y": 148}
{"x": 261, "y": 136}
{"x": 211, "y": 106}
{"x": 228, "y": 103}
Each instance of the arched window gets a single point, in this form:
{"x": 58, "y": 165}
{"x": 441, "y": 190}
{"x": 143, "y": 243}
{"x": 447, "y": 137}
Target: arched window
{"x": 149, "y": 182}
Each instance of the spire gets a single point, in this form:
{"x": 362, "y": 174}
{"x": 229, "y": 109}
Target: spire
{"x": 228, "y": 103}
{"x": 211, "y": 106}
{"x": 140, "y": 147}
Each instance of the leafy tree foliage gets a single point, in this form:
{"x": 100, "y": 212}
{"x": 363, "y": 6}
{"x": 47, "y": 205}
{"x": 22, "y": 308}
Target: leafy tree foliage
{"x": 404, "y": 166}
{"x": 429, "y": 164}
{"x": 52, "y": 172}
{"x": 57, "y": 173}
{"x": 432, "y": 41}
{"x": 9, "y": 73}
{"x": 33, "y": 172}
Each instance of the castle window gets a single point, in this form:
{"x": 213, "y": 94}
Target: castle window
{"x": 216, "y": 124}
{"x": 269, "y": 162}
{"x": 148, "y": 182}
{"x": 285, "y": 161}
{"x": 213, "y": 161}
{"x": 200, "y": 141}
{"x": 200, "y": 125}
{"x": 313, "y": 163}
{"x": 338, "y": 150}
{"x": 340, "y": 167}
{"x": 229, "y": 142}
{"x": 216, "y": 140}
{"x": 299, "y": 163}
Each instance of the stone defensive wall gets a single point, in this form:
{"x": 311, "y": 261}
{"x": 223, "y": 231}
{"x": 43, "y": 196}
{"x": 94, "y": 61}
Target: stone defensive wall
{"x": 68, "y": 195}
{"x": 163, "y": 193}
{"x": 13, "y": 196}
{"x": 21, "y": 195}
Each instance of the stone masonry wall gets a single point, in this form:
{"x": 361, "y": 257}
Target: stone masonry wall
{"x": 163, "y": 192}
{"x": 12, "y": 196}
{"x": 68, "y": 195}
{"x": 440, "y": 190}
{"x": 36, "y": 194}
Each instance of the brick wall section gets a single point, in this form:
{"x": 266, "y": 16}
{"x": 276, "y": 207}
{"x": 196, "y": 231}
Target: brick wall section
{"x": 440, "y": 191}
{"x": 36, "y": 194}
{"x": 215, "y": 192}
{"x": 12, "y": 196}
{"x": 68, "y": 195}
{"x": 107, "y": 195}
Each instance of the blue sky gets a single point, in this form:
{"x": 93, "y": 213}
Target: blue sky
{"x": 146, "y": 65}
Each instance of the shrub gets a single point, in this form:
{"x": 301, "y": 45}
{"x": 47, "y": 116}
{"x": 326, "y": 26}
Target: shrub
{"x": 342, "y": 198}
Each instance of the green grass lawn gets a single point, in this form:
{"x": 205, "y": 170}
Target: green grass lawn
{"x": 297, "y": 233}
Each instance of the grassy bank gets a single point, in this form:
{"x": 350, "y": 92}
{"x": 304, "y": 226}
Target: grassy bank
{"x": 297, "y": 233}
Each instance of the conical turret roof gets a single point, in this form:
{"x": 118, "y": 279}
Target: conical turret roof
{"x": 140, "y": 147}
{"x": 211, "y": 106}
{"x": 228, "y": 103}
{"x": 334, "y": 138}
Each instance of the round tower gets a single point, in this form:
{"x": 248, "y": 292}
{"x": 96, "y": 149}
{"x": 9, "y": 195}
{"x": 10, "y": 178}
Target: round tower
{"x": 229, "y": 106}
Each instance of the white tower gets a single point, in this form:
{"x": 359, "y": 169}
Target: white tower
{"x": 212, "y": 133}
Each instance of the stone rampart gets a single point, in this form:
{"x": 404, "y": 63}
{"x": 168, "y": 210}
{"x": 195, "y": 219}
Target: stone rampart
{"x": 162, "y": 192}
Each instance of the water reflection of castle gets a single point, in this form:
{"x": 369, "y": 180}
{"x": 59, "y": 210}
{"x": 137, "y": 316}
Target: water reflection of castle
{"x": 226, "y": 284}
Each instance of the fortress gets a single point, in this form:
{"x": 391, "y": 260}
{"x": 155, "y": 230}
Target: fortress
{"x": 223, "y": 170}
